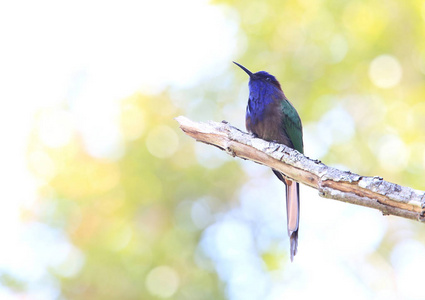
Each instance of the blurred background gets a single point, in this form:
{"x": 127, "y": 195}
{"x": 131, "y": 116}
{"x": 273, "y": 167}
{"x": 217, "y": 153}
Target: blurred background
{"x": 103, "y": 197}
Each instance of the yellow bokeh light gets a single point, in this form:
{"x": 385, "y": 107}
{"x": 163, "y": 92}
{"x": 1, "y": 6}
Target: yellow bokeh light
{"x": 132, "y": 122}
{"x": 385, "y": 71}
{"x": 162, "y": 281}
{"x": 41, "y": 163}
{"x": 162, "y": 142}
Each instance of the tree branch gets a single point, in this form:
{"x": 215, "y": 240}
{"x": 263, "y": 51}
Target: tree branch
{"x": 374, "y": 192}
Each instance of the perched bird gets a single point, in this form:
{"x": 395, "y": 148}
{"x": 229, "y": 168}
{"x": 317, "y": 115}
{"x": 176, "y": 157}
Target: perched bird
{"x": 271, "y": 117}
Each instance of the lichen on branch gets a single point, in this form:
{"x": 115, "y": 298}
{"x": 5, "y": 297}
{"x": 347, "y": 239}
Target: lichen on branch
{"x": 374, "y": 192}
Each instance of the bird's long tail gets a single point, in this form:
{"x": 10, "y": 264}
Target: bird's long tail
{"x": 293, "y": 213}
{"x": 292, "y": 210}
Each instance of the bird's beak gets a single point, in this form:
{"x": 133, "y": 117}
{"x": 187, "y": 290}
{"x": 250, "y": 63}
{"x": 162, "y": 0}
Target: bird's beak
{"x": 245, "y": 69}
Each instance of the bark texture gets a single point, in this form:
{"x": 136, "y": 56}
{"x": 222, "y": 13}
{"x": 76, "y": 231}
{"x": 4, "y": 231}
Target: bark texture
{"x": 374, "y": 192}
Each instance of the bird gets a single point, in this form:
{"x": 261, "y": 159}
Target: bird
{"x": 271, "y": 117}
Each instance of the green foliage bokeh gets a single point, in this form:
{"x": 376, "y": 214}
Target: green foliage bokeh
{"x": 133, "y": 214}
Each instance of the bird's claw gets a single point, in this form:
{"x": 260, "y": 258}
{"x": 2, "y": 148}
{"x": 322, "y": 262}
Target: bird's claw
{"x": 230, "y": 151}
{"x": 421, "y": 216}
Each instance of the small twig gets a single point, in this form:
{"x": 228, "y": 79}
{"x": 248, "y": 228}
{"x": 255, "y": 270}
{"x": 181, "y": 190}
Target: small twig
{"x": 374, "y": 192}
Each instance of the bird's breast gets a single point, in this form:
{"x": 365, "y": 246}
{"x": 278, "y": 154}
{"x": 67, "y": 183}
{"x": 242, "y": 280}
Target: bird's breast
{"x": 266, "y": 122}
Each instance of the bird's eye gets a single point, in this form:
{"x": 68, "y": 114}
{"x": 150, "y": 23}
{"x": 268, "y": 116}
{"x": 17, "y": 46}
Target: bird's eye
{"x": 268, "y": 78}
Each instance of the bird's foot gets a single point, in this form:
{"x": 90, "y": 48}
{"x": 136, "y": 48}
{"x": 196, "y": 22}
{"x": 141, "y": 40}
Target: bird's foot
{"x": 230, "y": 151}
{"x": 421, "y": 216}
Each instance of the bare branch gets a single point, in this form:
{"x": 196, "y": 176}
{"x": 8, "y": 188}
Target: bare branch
{"x": 374, "y": 192}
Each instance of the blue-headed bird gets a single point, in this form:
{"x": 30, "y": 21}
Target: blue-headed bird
{"x": 271, "y": 117}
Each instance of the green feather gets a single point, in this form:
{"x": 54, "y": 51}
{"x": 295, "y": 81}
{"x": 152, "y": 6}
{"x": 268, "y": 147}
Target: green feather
{"x": 292, "y": 125}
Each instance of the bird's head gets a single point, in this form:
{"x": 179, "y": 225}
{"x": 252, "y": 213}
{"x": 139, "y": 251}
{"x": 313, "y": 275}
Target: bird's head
{"x": 261, "y": 77}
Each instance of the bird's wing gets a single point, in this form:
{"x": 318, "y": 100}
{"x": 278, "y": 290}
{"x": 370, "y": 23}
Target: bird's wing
{"x": 292, "y": 125}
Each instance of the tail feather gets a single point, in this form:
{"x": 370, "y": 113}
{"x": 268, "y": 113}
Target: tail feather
{"x": 294, "y": 244}
{"x": 293, "y": 213}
